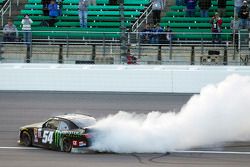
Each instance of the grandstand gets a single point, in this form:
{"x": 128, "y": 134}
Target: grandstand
{"x": 100, "y": 43}
{"x": 197, "y": 28}
{"x": 101, "y": 18}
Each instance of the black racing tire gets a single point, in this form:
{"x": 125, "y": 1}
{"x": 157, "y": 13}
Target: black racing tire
{"x": 26, "y": 138}
{"x": 66, "y": 145}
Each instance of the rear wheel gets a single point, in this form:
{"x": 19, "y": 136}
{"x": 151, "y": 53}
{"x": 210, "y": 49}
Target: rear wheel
{"x": 26, "y": 138}
{"x": 66, "y": 145}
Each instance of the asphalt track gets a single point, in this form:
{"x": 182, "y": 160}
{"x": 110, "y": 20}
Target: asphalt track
{"x": 21, "y": 108}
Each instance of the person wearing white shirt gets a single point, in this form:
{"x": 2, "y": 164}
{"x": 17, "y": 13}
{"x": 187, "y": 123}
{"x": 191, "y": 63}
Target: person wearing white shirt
{"x": 26, "y": 28}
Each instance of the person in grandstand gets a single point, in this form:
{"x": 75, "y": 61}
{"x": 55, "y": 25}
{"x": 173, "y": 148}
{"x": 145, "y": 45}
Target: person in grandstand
{"x": 157, "y": 34}
{"x": 179, "y": 2}
{"x": 92, "y": 2}
{"x": 235, "y": 26}
{"x": 169, "y": 35}
{"x": 190, "y": 8}
{"x": 53, "y": 13}
{"x": 146, "y": 34}
{"x": 45, "y": 4}
{"x": 26, "y": 28}
{"x": 244, "y": 15}
{"x": 237, "y": 5}
{"x": 83, "y": 12}
{"x": 10, "y": 33}
{"x": 216, "y": 23}
{"x": 204, "y": 7}
{"x": 157, "y": 7}
{"x": 222, "y": 4}
{"x": 59, "y": 7}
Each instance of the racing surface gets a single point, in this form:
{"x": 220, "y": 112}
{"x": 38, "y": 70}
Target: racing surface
{"x": 21, "y": 108}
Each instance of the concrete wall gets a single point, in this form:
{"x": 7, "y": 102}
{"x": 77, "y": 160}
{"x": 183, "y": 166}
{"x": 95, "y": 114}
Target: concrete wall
{"x": 115, "y": 78}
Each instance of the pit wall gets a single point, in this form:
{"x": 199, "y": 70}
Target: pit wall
{"x": 113, "y": 78}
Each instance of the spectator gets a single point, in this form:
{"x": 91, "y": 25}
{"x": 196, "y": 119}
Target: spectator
{"x": 222, "y": 4}
{"x": 235, "y": 26}
{"x": 157, "y": 7}
{"x": 113, "y": 2}
{"x": 179, "y": 2}
{"x": 146, "y": 34}
{"x": 26, "y": 28}
{"x": 204, "y": 7}
{"x": 237, "y": 5}
{"x": 92, "y": 2}
{"x": 83, "y": 12}
{"x": 45, "y": 4}
{"x": 53, "y": 12}
{"x": 244, "y": 14}
{"x": 216, "y": 23}
{"x": 157, "y": 34}
{"x": 190, "y": 8}
{"x": 169, "y": 35}
{"x": 130, "y": 58}
{"x": 59, "y": 7}
{"x": 10, "y": 32}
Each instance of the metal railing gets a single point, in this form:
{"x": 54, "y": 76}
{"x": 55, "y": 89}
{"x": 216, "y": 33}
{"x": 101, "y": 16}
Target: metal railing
{"x": 143, "y": 18}
{"x": 104, "y": 48}
{"x": 6, "y": 8}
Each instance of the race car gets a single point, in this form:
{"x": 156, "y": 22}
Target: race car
{"x": 68, "y": 133}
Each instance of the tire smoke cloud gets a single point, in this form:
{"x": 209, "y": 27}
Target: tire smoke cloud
{"x": 220, "y": 113}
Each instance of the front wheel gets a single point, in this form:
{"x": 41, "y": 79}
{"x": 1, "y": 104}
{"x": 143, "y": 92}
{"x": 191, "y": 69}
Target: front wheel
{"x": 26, "y": 138}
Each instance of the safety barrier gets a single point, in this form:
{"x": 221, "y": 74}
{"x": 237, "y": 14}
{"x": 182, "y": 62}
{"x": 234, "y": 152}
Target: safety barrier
{"x": 113, "y": 78}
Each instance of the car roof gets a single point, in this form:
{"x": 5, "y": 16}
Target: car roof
{"x": 72, "y": 117}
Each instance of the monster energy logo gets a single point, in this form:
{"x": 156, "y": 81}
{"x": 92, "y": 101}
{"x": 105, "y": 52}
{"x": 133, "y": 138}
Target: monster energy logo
{"x": 57, "y": 138}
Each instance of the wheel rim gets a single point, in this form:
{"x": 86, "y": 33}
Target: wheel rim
{"x": 26, "y": 139}
{"x": 66, "y": 146}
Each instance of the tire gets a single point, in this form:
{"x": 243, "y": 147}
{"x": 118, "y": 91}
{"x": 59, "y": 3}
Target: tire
{"x": 66, "y": 145}
{"x": 26, "y": 139}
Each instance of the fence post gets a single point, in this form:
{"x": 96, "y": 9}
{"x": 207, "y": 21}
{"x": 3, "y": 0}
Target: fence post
{"x": 28, "y": 54}
{"x": 60, "y": 55}
{"x": 225, "y": 56}
{"x": 93, "y": 52}
{"x": 159, "y": 54}
{"x": 192, "y": 56}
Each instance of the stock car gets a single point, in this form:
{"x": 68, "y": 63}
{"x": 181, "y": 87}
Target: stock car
{"x": 66, "y": 133}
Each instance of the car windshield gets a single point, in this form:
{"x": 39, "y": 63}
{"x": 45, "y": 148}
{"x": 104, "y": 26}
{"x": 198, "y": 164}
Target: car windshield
{"x": 82, "y": 123}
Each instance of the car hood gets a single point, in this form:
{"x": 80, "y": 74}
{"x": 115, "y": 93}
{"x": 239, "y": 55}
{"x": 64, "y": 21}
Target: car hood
{"x": 35, "y": 125}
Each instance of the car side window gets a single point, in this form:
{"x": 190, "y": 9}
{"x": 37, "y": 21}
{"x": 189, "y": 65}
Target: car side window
{"x": 63, "y": 126}
{"x": 51, "y": 124}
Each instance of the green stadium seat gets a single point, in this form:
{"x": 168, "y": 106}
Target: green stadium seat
{"x": 103, "y": 13}
{"x": 191, "y": 19}
{"x": 192, "y": 25}
{"x": 91, "y": 24}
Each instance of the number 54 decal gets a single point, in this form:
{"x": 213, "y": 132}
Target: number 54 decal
{"x": 47, "y": 137}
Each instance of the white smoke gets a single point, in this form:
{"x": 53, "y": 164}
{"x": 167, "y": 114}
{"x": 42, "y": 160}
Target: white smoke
{"x": 221, "y": 113}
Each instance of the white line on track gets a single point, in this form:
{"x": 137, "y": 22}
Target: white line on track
{"x": 20, "y": 148}
{"x": 190, "y": 152}
{"x": 212, "y": 152}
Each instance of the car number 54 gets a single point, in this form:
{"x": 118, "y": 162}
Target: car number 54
{"x": 47, "y": 137}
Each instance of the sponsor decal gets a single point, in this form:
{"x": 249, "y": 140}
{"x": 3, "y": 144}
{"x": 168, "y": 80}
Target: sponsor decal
{"x": 39, "y": 133}
{"x": 35, "y": 135}
{"x": 75, "y": 143}
{"x": 57, "y": 138}
{"x": 82, "y": 143}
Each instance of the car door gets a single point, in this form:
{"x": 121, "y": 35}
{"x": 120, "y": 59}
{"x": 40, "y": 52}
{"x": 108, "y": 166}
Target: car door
{"x": 47, "y": 133}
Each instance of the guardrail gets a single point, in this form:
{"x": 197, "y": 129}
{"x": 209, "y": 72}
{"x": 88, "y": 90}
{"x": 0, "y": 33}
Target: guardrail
{"x": 113, "y": 78}
{"x": 89, "y": 47}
